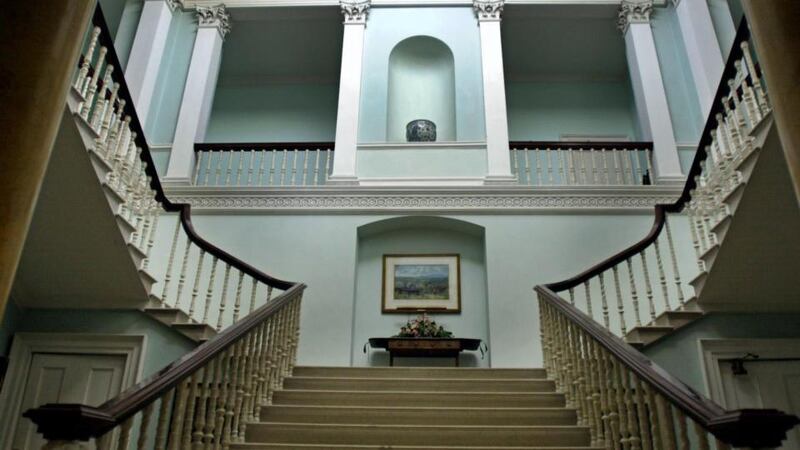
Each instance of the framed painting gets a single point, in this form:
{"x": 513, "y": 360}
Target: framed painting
{"x": 421, "y": 283}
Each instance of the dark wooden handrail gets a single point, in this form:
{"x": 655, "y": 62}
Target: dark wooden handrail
{"x": 237, "y": 146}
{"x": 71, "y": 422}
{"x": 755, "y": 428}
{"x": 580, "y": 145}
{"x": 183, "y": 209}
{"x": 661, "y": 210}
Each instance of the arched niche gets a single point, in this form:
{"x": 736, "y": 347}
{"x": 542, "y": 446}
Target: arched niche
{"x": 421, "y": 86}
{"x": 419, "y": 235}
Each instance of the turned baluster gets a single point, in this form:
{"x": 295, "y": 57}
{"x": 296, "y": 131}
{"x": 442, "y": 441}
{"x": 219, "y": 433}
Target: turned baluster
{"x": 189, "y": 413}
{"x": 179, "y": 414}
{"x": 537, "y": 166}
{"x": 218, "y": 169}
{"x": 748, "y": 98}
{"x": 604, "y": 301}
{"x": 328, "y": 164}
{"x": 590, "y": 362}
{"x": 662, "y": 275}
{"x": 250, "y": 166}
{"x": 207, "y": 171}
{"x": 109, "y": 113}
{"x": 261, "y": 167}
{"x": 226, "y": 374}
{"x": 619, "y": 399}
{"x": 612, "y": 405}
{"x": 215, "y": 386}
{"x": 182, "y": 272}
{"x": 198, "y": 163}
{"x": 283, "y": 168}
{"x": 170, "y": 261}
{"x": 86, "y": 62}
{"x": 240, "y": 169}
{"x": 202, "y": 403}
{"x": 103, "y": 104}
{"x": 562, "y": 175}
{"x": 515, "y": 164}
{"x": 316, "y": 168}
{"x": 224, "y": 296}
{"x": 273, "y": 156}
{"x": 229, "y": 168}
{"x": 701, "y": 436}
{"x": 528, "y": 168}
{"x": 231, "y": 401}
{"x": 635, "y": 438}
{"x": 164, "y": 411}
{"x": 602, "y": 391}
{"x": 305, "y": 167}
{"x": 620, "y": 307}
{"x": 606, "y": 176}
{"x": 666, "y": 422}
{"x": 210, "y": 289}
{"x": 634, "y": 293}
{"x": 683, "y": 431}
{"x": 760, "y": 95}
{"x": 238, "y": 300}
{"x": 572, "y": 296}
{"x": 196, "y": 284}
{"x": 241, "y": 390}
{"x": 269, "y": 293}
{"x": 642, "y": 414}
{"x": 674, "y": 258}
{"x": 588, "y": 299}
{"x": 648, "y": 286}
{"x": 87, "y": 104}
{"x": 293, "y": 177}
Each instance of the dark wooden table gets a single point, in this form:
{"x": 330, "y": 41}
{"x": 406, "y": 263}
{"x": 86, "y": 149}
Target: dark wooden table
{"x": 424, "y": 347}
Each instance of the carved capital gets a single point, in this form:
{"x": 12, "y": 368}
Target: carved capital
{"x": 355, "y": 11}
{"x": 488, "y": 9}
{"x": 214, "y": 17}
{"x": 634, "y": 11}
{"x": 174, "y": 4}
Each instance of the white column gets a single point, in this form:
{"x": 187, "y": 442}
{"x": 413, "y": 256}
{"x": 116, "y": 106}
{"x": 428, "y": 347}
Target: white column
{"x": 147, "y": 52}
{"x": 494, "y": 92}
{"x": 648, "y": 89}
{"x": 702, "y": 48}
{"x": 198, "y": 94}
{"x": 344, "y": 156}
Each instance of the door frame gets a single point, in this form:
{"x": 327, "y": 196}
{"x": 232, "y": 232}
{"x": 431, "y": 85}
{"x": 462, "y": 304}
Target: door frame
{"x": 131, "y": 347}
{"x": 714, "y": 350}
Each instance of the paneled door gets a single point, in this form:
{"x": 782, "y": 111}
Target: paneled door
{"x": 66, "y": 378}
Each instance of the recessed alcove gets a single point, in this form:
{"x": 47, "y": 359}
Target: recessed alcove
{"x": 421, "y": 86}
{"x": 419, "y": 235}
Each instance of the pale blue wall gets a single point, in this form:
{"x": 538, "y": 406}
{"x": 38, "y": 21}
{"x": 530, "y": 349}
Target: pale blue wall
{"x": 457, "y": 28}
{"x": 680, "y": 354}
{"x": 520, "y": 252}
{"x": 725, "y": 15}
{"x": 684, "y": 106}
{"x": 160, "y": 125}
{"x": 422, "y": 162}
{"x": 545, "y": 110}
{"x": 162, "y": 346}
{"x": 421, "y": 237}
{"x": 274, "y": 113}
{"x": 122, "y": 17}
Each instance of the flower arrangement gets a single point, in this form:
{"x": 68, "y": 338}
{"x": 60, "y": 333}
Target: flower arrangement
{"x": 423, "y": 326}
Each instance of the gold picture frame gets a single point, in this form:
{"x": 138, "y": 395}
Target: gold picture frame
{"x": 421, "y": 283}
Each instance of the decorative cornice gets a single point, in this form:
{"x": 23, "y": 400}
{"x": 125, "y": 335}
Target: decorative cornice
{"x": 634, "y": 11}
{"x": 329, "y": 200}
{"x": 488, "y": 10}
{"x": 355, "y": 11}
{"x": 214, "y": 17}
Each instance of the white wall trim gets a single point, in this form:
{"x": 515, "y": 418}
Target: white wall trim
{"x": 409, "y": 200}
{"x": 713, "y": 350}
{"x": 423, "y": 146}
{"x": 132, "y": 347}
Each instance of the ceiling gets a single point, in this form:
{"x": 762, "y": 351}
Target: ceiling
{"x": 561, "y": 42}
{"x": 283, "y": 45}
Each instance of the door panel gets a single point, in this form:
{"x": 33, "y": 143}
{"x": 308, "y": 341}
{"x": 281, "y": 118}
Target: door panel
{"x": 66, "y": 378}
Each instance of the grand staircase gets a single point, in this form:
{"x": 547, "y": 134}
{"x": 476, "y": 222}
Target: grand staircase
{"x": 416, "y": 408}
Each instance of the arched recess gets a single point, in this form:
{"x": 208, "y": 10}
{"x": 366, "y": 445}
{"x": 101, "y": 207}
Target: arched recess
{"x": 421, "y": 86}
{"x": 419, "y": 235}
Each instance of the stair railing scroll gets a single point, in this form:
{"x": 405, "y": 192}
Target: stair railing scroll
{"x": 626, "y": 400}
{"x": 205, "y": 398}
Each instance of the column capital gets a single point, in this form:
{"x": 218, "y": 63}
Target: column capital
{"x": 173, "y": 4}
{"x": 634, "y": 11}
{"x": 355, "y": 11}
{"x": 214, "y": 17}
{"x": 488, "y": 10}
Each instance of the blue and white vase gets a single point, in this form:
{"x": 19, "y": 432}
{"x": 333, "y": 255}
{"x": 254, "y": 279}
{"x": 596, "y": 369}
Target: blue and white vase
{"x": 421, "y": 130}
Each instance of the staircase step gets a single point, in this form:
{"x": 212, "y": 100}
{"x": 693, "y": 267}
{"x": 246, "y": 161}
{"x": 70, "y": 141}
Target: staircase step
{"x": 419, "y": 435}
{"x": 646, "y": 334}
{"x": 419, "y": 399}
{"x": 418, "y": 372}
{"x": 284, "y": 446}
{"x": 418, "y": 384}
{"x": 418, "y": 415}
{"x": 677, "y": 319}
{"x": 167, "y": 316}
{"x": 199, "y": 332}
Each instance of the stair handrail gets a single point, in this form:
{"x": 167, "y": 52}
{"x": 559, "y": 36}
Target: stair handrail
{"x": 263, "y": 345}
{"x": 582, "y": 145}
{"x": 633, "y": 375}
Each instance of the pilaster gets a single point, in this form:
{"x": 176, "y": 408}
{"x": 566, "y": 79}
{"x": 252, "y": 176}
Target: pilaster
{"x": 702, "y": 49}
{"x": 648, "y": 88}
{"x": 344, "y": 158}
{"x": 489, "y": 14}
{"x": 147, "y": 52}
{"x": 198, "y": 94}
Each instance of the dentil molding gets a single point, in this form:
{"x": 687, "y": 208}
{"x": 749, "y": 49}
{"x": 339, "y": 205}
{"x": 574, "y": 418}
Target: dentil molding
{"x": 355, "y": 11}
{"x": 214, "y": 17}
{"x": 634, "y": 11}
{"x": 483, "y": 200}
{"x": 488, "y": 9}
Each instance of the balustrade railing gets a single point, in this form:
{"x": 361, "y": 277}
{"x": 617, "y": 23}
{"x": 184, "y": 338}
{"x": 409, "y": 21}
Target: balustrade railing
{"x": 627, "y": 401}
{"x": 582, "y": 163}
{"x": 205, "y": 398}
{"x": 268, "y": 164}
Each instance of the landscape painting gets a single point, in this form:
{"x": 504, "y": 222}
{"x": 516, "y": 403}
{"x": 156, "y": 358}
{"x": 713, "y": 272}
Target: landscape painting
{"x": 421, "y": 283}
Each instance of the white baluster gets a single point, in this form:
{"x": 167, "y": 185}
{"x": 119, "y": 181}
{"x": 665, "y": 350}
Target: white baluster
{"x": 648, "y": 286}
{"x": 210, "y": 289}
{"x": 83, "y": 72}
{"x": 305, "y": 167}
{"x": 196, "y": 285}
{"x": 224, "y": 296}
{"x": 250, "y": 166}
{"x": 170, "y": 261}
{"x": 229, "y": 169}
{"x": 261, "y": 167}
{"x": 197, "y": 165}
{"x": 241, "y": 168}
{"x": 274, "y": 155}
{"x": 634, "y": 293}
{"x": 293, "y": 178}
{"x": 283, "y": 168}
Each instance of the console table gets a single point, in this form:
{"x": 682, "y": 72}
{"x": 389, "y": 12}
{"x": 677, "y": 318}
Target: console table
{"x": 424, "y": 347}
